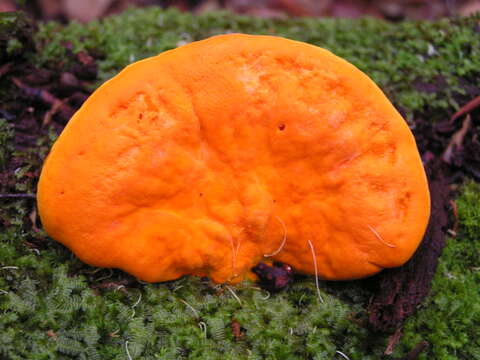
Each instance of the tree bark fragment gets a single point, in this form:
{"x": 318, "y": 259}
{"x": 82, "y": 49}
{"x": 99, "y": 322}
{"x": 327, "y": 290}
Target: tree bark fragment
{"x": 402, "y": 289}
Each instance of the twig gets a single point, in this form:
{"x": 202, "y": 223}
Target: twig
{"x": 33, "y": 219}
{"x": 467, "y": 108}
{"x": 114, "y": 333}
{"x": 392, "y": 341}
{"x": 34, "y": 93}
{"x": 13, "y": 196}
{"x": 46, "y": 97}
{"x": 47, "y": 118}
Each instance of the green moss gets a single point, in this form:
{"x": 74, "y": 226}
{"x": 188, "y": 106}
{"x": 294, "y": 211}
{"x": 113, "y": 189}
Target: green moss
{"x": 6, "y": 147}
{"x": 469, "y": 213}
{"x": 48, "y": 300}
{"x": 16, "y": 39}
{"x": 50, "y": 309}
{"x": 401, "y": 58}
{"x": 450, "y": 319}
{"x": 13, "y": 30}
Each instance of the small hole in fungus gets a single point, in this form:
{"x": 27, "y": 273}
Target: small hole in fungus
{"x": 140, "y": 116}
{"x": 281, "y": 127}
{"x": 201, "y": 194}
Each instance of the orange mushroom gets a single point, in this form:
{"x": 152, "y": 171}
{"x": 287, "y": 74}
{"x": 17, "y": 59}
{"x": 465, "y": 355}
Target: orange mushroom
{"x": 206, "y": 159}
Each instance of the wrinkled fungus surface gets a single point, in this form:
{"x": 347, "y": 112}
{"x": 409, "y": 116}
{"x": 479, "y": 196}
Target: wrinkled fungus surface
{"x": 206, "y": 158}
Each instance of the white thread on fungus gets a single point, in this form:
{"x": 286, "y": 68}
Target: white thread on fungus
{"x": 283, "y": 241}
{"x": 377, "y": 235}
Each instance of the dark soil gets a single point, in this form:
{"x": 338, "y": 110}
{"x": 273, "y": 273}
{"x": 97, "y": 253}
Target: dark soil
{"x": 43, "y": 99}
{"x": 38, "y": 102}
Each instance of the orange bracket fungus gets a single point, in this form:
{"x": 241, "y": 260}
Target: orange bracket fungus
{"x": 206, "y": 159}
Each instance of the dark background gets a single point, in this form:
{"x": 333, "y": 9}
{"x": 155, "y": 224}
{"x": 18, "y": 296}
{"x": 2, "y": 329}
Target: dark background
{"x": 392, "y": 10}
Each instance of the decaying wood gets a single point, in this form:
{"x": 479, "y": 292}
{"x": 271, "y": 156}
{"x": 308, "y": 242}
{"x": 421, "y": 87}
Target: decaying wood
{"x": 402, "y": 289}
{"x": 44, "y": 96}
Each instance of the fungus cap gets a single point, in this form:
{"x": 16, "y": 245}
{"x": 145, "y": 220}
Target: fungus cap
{"x": 207, "y": 158}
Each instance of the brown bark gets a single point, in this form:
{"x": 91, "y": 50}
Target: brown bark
{"x": 402, "y": 289}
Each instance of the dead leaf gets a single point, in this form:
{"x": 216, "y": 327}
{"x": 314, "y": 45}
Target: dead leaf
{"x": 114, "y": 334}
{"x": 236, "y": 329}
{"x": 52, "y": 334}
{"x": 393, "y": 341}
{"x": 53, "y": 110}
{"x": 457, "y": 140}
